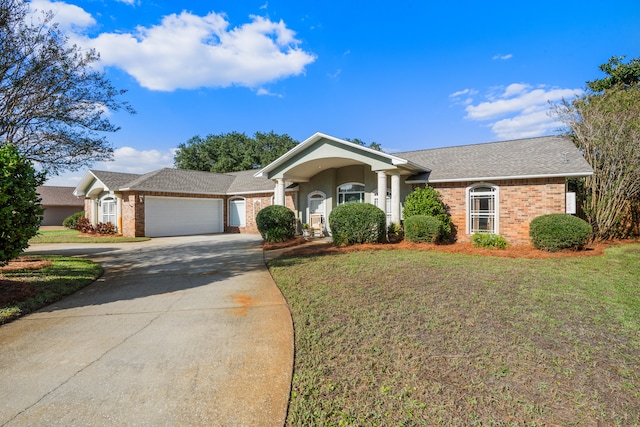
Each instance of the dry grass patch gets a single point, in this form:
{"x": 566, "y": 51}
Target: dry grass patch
{"x": 419, "y": 337}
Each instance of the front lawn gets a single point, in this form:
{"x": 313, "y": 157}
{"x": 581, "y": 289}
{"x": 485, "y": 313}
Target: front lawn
{"x": 429, "y": 338}
{"x": 31, "y": 282}
{"x": 74, "y": 236}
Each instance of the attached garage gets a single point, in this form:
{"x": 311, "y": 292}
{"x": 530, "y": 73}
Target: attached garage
{"x": 179, "y": 216}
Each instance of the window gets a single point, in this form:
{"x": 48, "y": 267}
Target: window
{"x": 387, "y": 204}
{"x": 237, "y": 212}
{"x": 108, "y": 210}
{"x": 482, "y": 209}
{"x": 351, "y": 193}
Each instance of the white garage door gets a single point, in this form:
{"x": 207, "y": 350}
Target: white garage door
{"x": 180, "y": 216}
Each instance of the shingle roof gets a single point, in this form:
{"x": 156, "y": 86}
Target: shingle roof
{"x": 245, "y": 182}
{"x": 532, "y": 157}
{"x": 186, "y": 181}
{"x": 58, "y": 196}
{"x": 181, "y": 181}
{"x": 114, "y": 180}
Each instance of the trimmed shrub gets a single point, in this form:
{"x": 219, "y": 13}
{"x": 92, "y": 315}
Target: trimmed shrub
{"x": 72, "y": 221}
{"x": 489, "y": 240}
{"x": 83, "y": 225}
{"x": 354, "y": 223}
{"x": 423, "y": 229}
{"x": 427, "y": 201}
{"x": 554, "y": 232}
{"x": 276, "y": 223}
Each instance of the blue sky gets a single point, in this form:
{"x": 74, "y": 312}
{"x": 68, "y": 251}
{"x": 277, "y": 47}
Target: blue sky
{"x": 406, "y": 74}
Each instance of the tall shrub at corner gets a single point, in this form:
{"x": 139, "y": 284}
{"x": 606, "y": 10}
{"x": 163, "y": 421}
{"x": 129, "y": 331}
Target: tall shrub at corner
{"x": 554, "y": 232}
{"x": 20, "y": 210}
{"x": 354, "y": 223}
{"x": 276, "y": 223}
{"x": 427, "y": 201}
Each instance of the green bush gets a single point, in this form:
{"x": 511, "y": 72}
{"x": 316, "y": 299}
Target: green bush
{"x": 72, "y": 221}
{"x": 427, "y": 201}
{"x": 276, "y": 223}
{"x": 489, "y": 240}
{"x": 559, "y": 231}
{"x": 423, "y": 228}
{"x": 353, "y": 223}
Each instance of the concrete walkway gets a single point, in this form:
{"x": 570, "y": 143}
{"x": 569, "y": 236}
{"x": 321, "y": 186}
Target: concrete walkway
{"x": 178, "y": 331}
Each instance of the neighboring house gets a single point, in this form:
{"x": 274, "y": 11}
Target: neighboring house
{"x": 494, "y": 187}
{"x": 58, "y": 203}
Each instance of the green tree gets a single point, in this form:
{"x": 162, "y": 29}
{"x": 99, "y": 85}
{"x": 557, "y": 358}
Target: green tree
{"x": 54, "y": 105}
{"x": 20, "y": 210}
{"x": 619, "y": 75}
{"x": 373, "y": 145}
{"x": 232, "y": 152}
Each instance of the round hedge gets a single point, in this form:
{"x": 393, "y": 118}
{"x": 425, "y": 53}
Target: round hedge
{"x": 276, "y": 223}
{"x": 427, "y": 201}
{"x": 554, "y": 232}
{"x": 353, "y": 223}
{"x": 423, "y": 228}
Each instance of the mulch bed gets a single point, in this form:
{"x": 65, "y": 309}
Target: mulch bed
{"x": 300, "y": 247}
{"x": 14, "y": 290}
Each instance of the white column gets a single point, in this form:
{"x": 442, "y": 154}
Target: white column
{"x": 395, "y": 198}
{"x": 382, "y": 191}
{"x": 280, "y": 193}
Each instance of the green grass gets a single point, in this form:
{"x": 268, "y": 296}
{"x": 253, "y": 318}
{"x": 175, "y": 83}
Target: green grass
{"x": 429, "y": 338}
{"x": 36, "y": 288}
{"x": 73, "y": 236}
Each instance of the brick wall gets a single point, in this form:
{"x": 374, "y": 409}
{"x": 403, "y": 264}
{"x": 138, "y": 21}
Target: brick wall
{"x": 520, "y": 202}
{"x": 253, "y": 204}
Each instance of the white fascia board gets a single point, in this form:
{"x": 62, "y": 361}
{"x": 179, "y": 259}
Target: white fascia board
{"x": 86, "y": 180}
{"x": 499, "y": 178}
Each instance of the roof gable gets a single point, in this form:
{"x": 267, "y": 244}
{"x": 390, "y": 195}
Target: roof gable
{"x": 322, "y": 151}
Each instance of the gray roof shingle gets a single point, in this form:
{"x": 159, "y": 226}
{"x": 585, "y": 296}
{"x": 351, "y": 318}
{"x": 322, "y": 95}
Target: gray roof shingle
{"x": 58, "y": 196}
{"x": 114, "y": 180}
{"x": 532, "y": 157}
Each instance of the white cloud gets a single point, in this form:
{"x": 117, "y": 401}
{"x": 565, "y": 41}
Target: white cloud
{"x": 125, "y": 159}
{"x": 503, "y": 57}
{"x": 518, "y": 110}
{"x": 469, "y": 92}
{"x": 71, "y": 18}
{"x": 187, "y": 51}
{"x": 265, "y": 92}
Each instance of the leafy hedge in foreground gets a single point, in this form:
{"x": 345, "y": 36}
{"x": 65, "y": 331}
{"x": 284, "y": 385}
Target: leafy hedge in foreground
{"x": 276, "y": 223}
{"x": 554, "y": 232}
{"x": 354, "y": 223}
{"x": 423, "y": 228}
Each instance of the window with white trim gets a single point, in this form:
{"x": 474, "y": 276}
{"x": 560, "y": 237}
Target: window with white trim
{"x": 108, "y": 206}
{"x": 482, "y": 208}
{"x": 387, "y": 204}
{"x": 352, "y": 192}
{"x": 237, "y": 212}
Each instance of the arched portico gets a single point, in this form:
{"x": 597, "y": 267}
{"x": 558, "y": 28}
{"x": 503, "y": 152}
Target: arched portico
{"x": 313, "y": 160}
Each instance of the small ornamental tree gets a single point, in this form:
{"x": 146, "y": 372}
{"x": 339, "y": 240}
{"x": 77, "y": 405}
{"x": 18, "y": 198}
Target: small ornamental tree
{"x": 276, "y": 223}
{"x": 355, "y": 223}
{"x": 20, "y": 210}
{"x": 427, "y": 201}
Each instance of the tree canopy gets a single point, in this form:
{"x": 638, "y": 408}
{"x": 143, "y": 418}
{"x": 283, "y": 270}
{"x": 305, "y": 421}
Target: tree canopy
{"x": 605, "y": 125}
{"x": 54, "y": 106}
{"x": 20, "y": 210}
{"x": 373, "y": 145}
{"x": 232, "y": 152}
{"x": 619, "y": 75}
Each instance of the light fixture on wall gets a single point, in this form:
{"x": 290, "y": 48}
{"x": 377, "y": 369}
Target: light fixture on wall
{"x": 141, "y": 198}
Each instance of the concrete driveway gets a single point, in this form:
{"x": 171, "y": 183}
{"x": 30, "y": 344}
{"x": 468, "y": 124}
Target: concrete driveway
{"x": 178, "y": 331}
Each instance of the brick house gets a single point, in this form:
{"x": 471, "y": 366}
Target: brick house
{"x": 494, "y": 187}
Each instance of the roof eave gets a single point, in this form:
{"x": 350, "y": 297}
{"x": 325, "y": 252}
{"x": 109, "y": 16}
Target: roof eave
{"x": 499, "y": 178}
